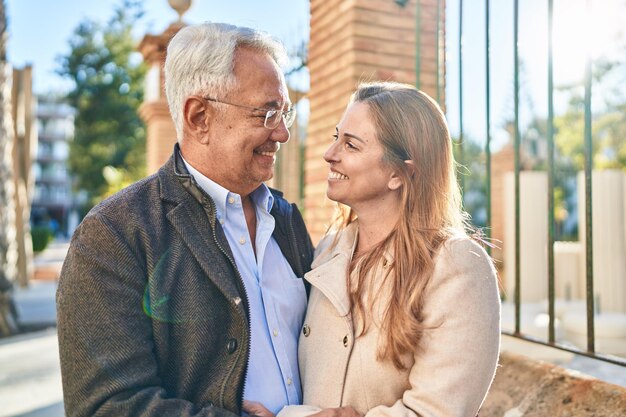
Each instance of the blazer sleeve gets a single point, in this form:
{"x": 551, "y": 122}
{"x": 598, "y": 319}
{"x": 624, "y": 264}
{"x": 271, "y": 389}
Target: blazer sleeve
{"x": 458, "y": 354}
{"x": 105, "y": 338}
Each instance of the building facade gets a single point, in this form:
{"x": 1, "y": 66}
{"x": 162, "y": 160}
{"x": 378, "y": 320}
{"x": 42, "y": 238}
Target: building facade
{"x": 54, "y": 203}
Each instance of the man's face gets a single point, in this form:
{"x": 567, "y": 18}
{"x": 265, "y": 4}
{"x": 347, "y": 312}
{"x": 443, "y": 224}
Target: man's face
{"x": 241, "y": 151}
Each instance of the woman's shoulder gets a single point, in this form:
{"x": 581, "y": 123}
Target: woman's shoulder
{"x": 464, "y": 271}
{"x": 461, "y": 253}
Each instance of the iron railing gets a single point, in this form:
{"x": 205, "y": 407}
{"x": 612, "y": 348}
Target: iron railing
{"x": 441, "y": 39}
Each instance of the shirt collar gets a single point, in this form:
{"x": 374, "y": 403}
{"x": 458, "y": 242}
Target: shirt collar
{"x": 261, "y": 197}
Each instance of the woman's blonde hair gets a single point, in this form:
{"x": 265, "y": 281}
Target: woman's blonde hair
{"x": 410, "y": 127}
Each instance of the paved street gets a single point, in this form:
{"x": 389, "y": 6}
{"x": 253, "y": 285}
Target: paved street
{"x": 30, "y": 375}
{"x": 30, "y": 380}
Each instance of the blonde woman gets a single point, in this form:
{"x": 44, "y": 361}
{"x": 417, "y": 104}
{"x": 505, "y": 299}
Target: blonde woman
{"x": 403, "y": 318}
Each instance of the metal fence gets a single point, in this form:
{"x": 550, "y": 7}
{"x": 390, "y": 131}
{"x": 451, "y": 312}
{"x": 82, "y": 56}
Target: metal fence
{"x": 445, "y": 38}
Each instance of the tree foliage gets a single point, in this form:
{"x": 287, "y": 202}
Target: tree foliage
{"x": 608, "y": 118}
{"x": 108, "y": 75}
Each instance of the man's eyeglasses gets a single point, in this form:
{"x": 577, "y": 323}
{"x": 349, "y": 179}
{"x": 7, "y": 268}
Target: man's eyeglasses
{"x": 272, "y": 117}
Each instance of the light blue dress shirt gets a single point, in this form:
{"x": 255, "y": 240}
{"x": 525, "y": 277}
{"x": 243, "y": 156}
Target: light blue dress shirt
{"x": 276, "y": 297}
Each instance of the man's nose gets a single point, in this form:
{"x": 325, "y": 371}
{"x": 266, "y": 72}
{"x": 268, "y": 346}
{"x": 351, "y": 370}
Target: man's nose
{"x": 280, "y": 133}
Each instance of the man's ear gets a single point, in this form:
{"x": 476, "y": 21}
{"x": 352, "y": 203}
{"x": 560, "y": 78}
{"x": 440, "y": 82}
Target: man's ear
{"x": 196, "y": 118}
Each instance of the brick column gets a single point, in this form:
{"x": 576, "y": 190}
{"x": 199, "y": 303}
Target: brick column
{"x": 160, "y": 131}
{"x": 354, "y": 41}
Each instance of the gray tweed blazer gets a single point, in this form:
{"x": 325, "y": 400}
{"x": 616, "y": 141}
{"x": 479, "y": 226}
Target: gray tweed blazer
{"x": 152, "y": 314}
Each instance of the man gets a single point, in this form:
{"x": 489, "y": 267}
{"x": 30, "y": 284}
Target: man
{"x": 182, "y": 294}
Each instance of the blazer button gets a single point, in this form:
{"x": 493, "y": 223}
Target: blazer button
{"x": 345, "y": 341}
{"x": 306, "y": 330}
{"x": 231, "y": 346}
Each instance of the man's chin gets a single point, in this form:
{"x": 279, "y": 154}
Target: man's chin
{"x": 264, "y": 177}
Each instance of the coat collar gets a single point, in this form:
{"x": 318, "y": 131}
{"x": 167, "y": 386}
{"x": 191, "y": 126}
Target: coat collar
{"x": 332, "y": 263}
{"x": 331, "y": 266}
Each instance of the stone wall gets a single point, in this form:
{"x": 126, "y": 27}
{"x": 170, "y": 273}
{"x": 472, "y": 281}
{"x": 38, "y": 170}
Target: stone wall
{"x": 529, "y": 388}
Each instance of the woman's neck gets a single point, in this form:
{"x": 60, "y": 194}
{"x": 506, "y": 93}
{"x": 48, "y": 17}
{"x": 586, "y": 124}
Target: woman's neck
{"x": 375, "y": 224}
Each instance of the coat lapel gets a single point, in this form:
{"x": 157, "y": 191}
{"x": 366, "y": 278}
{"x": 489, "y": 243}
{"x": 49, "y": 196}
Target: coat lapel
{"x": 331, "y": 267}
{"x": 189, "y": 218}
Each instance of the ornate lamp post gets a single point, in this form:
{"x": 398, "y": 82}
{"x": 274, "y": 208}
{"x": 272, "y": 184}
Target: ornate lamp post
{"x": 181, "y": 6}
{"x": 161, "y": 134}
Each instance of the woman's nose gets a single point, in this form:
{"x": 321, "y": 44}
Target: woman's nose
{"x": 331, "y": 155}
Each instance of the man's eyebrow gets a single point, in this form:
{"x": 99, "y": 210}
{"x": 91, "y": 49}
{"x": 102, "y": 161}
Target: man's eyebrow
{"x": 275, "y": 105}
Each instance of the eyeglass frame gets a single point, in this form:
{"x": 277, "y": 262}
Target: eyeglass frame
{"x": 287, "y": 116}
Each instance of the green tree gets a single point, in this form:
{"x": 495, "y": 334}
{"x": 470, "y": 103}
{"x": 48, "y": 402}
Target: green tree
{"x": 608, "y": 117}
{"x": 108, "y": 75}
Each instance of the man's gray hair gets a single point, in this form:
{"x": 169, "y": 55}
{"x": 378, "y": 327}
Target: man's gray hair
{"x": 200, "y": 60}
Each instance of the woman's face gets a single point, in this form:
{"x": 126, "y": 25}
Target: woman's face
{"x": 358, "y": 177}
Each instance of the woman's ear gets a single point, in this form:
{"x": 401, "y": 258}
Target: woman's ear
{"x": 396, "y": 180}
{"x": 196, "y": 117}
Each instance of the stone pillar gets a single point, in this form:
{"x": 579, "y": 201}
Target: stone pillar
{"x": 25, "y": 146}
{"x": 160, "y": 131}
{"x": 353, "y": 41}
{"x": 533, "y": 235}
{"x": 609, "y": 244}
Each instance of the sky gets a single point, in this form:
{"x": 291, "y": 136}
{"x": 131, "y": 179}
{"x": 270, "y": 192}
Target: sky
{"x": 577, "y": 25}
{"x": 39, "y": 30}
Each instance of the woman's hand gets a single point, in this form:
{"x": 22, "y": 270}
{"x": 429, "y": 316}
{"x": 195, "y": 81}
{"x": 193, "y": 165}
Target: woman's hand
{"x": 256, "y": 409}
{"x": 338, "y": 412}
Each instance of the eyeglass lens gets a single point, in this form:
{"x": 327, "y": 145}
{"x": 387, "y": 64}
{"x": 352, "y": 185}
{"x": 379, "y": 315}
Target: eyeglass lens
{"x": 272, "y": 119}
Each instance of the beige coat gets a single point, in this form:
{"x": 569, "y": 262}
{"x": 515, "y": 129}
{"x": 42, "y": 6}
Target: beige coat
{"x": 460, "y": 351}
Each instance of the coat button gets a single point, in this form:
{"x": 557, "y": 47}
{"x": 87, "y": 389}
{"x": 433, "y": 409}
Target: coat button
{"x": 306, "y": 330}
{"x": 345, "y": 340}
{"x": 231, "y": 346}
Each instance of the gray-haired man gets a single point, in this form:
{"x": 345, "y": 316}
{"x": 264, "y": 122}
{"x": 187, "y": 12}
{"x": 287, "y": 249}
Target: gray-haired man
{"x": 182, "y": 295}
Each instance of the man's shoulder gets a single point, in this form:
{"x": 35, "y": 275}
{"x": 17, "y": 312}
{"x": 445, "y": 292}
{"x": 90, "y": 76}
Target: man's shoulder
{"x": 138, "y": 191}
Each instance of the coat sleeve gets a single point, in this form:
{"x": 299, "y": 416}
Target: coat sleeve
{"x": 105, "y": 338}
{"x": 458, "y": 354}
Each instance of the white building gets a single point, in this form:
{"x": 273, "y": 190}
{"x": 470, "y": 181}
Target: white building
{"x": 54, "y": 203}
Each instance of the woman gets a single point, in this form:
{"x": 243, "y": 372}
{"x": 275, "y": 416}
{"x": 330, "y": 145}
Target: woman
{"x": 404, "y": 313}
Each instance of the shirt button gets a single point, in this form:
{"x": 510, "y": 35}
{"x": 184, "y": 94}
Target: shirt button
{"x": 289, "y": 381}
{"x": 242, "y": 240}
{"x": 345, "y": 341}
{"x": 306, "y": 330}
{"x": 231, "y": 200}
{"x": 221, "y": 221}
{"x": 275, "y": 332}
